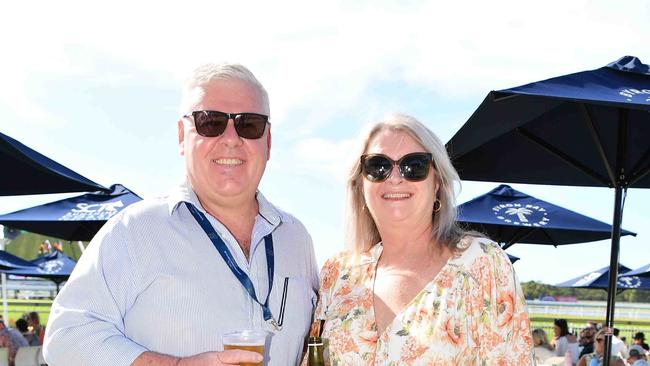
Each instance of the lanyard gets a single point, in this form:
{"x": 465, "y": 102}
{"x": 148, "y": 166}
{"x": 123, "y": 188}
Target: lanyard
{"x": 230, "y": 261}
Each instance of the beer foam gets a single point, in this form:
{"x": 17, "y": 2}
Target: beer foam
{"x": 244, "y": 343}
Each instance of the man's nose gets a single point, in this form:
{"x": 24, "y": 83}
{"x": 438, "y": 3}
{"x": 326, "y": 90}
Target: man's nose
{"x": 230, "y": 133}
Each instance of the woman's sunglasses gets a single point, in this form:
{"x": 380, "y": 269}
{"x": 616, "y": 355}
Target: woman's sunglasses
{"x": 214, "y": 123}
{"x": 600, "y": 339}
{"x": 413, "y": 167}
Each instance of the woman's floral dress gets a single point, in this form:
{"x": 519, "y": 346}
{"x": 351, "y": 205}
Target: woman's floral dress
{"x": 472, "y": 313}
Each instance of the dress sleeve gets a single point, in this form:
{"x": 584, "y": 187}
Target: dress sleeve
{"x": 86, "y": 324}
{"x": 328, "y": 277}
{"x": 506, "y": 338}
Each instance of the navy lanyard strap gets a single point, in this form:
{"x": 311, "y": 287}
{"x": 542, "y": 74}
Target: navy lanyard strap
{"x": 230, "y": 261}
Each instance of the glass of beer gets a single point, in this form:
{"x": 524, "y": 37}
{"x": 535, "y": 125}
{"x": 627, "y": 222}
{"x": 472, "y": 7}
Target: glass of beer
{"x": 247, "y": 340}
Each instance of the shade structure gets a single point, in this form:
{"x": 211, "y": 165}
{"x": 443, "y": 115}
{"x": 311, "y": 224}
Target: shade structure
{"x": 10, "y": 261}
{"x": 512, "y": 258}
{"x": 641, "y": 271}
{"x": 26, "y": 171}
{"x": 589, "y": 128}
{"x": 54, "y": 266}
{"x": 599, "y": 279}
{"x": 75, "y": 218}
{"x": 509, "y": 216}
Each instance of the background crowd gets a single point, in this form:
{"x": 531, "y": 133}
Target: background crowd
{"x": 583, "y": 346}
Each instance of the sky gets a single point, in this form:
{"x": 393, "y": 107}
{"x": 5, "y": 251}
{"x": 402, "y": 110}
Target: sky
{"x": 96, "y": 86}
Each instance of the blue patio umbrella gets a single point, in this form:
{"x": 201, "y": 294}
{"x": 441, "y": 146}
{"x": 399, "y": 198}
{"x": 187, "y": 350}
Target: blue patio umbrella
{"x": 512, "y": 258}
{"x": 599, "y": 279}
{"x": 76, "y": 218}
{"x": 509, "y": 216}
{"x": 26, "y": 171}
{"x": 10, "y": 261}
{"x": 589, "y": 128}
{"x": 55, "y": 266}
{"x": 643, "y": 271}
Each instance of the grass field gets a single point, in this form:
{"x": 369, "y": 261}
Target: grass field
{"x": 19, "y": 307}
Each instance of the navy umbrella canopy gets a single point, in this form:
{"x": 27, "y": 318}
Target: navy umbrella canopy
{"x": 510, "y": 216}
{"x": 55, "y": 266}
{"x": 599, "y": 279}
{"x": 641, "y": 271}
{"x": 10, "y": 261}
{"x": 76, "y": 218}
{"x": 589, "y": 128}
{"x": 30, "y": 172}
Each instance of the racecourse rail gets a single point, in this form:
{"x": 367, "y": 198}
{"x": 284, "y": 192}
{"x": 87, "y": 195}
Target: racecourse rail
{"x": 589, "y": 309}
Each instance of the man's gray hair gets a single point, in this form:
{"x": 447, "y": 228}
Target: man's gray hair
{"x": 209, "y": 72}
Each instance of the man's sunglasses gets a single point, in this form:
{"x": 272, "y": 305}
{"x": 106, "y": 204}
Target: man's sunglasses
{"x": 214, "y": 123}
{"x": 413, "y": 167}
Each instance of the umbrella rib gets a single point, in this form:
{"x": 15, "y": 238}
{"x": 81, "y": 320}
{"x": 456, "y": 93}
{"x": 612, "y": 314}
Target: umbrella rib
{"x": 519, "y": 235}
{"x": 639, "y": 175}
{"x": 621, "y": 147}
{"x": 566, "y": 158}
{"x": 589, "y": 118}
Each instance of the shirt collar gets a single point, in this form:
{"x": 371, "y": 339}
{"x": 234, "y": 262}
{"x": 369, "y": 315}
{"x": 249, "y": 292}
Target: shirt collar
{"x": 185, "y": 193}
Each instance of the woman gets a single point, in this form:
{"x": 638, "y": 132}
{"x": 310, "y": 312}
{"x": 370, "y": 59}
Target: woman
{"x": 543, "y": 350}
{"x": 597, "y": 356}
{"x": 561, "y": 331}
{"x": 414, "y": 289}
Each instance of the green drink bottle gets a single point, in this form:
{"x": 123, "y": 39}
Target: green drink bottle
{"x": 315, "y": 352}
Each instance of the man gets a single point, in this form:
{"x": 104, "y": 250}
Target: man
{"x": 15, "y": 336}
{"x": 586, "y": 341}
{"x": 637, "y": 356}
{"x": 618, "y": 346}
{"x": 163, "y": 261}
{"x": 639, "y": 339}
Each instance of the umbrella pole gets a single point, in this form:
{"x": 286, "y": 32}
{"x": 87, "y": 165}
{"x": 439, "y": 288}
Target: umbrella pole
{"x": 613, "y": 269}
{"x": 5, "y": 308}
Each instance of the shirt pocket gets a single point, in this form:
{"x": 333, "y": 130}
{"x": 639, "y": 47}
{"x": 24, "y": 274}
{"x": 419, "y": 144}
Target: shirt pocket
{"x": 293, "y": 303}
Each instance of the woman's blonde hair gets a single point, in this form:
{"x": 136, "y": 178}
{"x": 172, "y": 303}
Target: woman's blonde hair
{"x": 361, "y": 231}
{"x": 541, "y": 339}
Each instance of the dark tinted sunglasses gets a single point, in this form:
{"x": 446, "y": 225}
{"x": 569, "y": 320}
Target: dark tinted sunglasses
{"x": 413, "y": 167}
{"x": 214, "y": 123}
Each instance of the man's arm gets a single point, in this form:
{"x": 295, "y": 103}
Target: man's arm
{"x": 204, "y": 359}
{"x": 86, "y": 325}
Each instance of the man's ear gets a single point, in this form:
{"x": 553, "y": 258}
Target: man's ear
{"x": 181, "y": 137}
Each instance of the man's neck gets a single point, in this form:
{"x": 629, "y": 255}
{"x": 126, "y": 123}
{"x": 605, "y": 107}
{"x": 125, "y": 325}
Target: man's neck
{"x": 238, "y": 219}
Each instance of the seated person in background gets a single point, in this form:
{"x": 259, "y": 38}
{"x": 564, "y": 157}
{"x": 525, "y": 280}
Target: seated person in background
{"x": 11, "y": 341}
{"x": 560, "y": 343}
{"x": 637, "y": 356}
{"x": 22, "y": 326}
{"x": 587, "y": 341}
{"x": 35, "y": 322}
{"x": 639, "y": 339}
{"x": 14, "y": 335}
{"x": 543, "y": 350}
{"x": 598, "y": 353}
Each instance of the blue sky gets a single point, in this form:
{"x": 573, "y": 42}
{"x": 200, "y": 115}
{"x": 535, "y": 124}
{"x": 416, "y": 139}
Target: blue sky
{"x": 96, "y": 87}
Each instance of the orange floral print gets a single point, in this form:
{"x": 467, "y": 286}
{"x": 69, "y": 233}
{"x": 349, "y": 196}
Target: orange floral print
{"x": 471, "y": 313}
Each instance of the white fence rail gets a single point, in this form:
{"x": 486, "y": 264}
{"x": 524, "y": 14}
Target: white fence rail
{"x": 590, "y": 309}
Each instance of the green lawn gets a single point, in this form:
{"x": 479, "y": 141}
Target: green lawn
{"x": 19, "y": 307}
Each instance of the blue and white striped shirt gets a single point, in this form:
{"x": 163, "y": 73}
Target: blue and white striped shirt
{"x": 151, "y": 280}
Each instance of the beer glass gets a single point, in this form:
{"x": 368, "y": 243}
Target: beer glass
{"x": 247, "y": 340}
